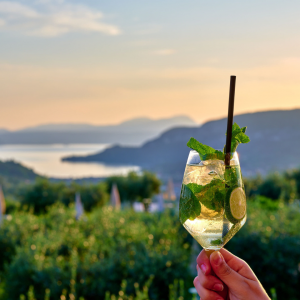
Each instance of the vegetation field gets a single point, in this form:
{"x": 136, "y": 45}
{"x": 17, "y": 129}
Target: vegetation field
{"x": 108, "y": 254}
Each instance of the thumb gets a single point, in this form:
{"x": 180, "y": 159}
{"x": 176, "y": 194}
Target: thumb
{"x": 230, "y": 277}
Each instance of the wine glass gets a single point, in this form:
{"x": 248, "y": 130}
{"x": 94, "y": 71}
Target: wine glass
{"x": 212, "y": 200}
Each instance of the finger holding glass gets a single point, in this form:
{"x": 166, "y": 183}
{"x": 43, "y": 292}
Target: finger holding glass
{"x": 239, "y": 281}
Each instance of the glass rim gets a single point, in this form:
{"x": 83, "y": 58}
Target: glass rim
{"x": 194, "y": 151}
{"x": 194, "y": 158}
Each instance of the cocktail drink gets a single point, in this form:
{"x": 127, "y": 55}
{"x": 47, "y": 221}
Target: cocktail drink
{"x": 212, "y": 200}
{"x": 213, "y": 197}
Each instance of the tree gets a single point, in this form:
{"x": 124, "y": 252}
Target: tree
{"x": 41, "y": 195}
{"x": 92, "y": 195}
{"x": 277, "y": 186}
{"x": 44, "y": 193}
{"x": 135, "y": 187}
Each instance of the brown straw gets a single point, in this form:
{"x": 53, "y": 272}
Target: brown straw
{"x": 230, "y": 120}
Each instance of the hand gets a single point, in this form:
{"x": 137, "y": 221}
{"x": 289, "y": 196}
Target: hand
{"x": 226, "y": 277}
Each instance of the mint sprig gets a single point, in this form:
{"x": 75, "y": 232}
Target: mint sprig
{"x": 193, "y": 196}
{"x": 189, "y": 206}
{"x": 207, "y": 152}
{"x": 211, "y": 195}
{"x": 238, "y": 137}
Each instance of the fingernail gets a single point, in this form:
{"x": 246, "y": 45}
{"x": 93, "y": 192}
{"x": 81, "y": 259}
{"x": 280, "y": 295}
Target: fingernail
{"x": 218, "y": 287}
{"x": 217, "y": 258}
{"x": 203, "y": 268}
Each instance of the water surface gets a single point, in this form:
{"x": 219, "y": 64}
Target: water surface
{"x": 46, "y": 160}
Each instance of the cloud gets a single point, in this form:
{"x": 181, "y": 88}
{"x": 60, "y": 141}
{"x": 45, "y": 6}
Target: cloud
{"x": 53, "y": 19}
{"x": 14, "y": 9}
{"x": 164, "y": 52}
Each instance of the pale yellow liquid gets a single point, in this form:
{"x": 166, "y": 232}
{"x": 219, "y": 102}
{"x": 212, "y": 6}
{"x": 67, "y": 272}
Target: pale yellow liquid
{"x": 211, "y": 229}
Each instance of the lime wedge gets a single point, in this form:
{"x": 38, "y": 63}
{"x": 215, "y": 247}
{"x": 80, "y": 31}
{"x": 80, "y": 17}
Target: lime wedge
{"x": 235, "y": 205}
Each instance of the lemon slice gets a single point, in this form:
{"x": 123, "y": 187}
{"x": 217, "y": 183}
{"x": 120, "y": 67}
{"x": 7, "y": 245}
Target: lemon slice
{"x": 235, "y": 207}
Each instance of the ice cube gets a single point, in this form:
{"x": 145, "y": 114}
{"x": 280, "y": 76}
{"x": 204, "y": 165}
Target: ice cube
{"x": 212, "y": 173}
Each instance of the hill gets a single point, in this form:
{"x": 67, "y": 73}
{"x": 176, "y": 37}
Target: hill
{"x": 14, "y": 172}
{"x": 132, "y": 132}
{"x": 275, "y": 144}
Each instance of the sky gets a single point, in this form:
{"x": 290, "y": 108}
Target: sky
{"x": 103, "y": 62}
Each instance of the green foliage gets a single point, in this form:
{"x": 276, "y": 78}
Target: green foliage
{"x": 294, "y": 175}
{"x": 238, "y": 137}
{"x": 15, "y": 170}
{"x": 91, "y": 195}
{"x": 12, "y": 206}
{"x": 211, "y": 195}
{"x": 269, "y": 242}
{"x": 52, "y": 250}
{"x": 41, "y": 195}
{"x": 207, "y": 152}
{"x": 275, "y": 186}
{"x": 251, "y": 185}
{"x": 134, "y": 187}
{"x": 189, "y": 206}
{"x": 13, "y": 176}
{"x": 266, "y": 204}
{"x": 176, "y": 292}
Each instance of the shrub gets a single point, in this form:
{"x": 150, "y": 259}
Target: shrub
{"x": 40, "y": 195}
{"x": 266, "y": 204}
{"x": 275, "y": 186}
{"x": 91, "y": 195}
{"x": 88, "y": 257}
{"x": 103, "y": 250}
{"x": 269, "y": 242}
{"x": 44, "y": 193}
{"x": 134, "y": 187}
{"x": 11, "y": 206}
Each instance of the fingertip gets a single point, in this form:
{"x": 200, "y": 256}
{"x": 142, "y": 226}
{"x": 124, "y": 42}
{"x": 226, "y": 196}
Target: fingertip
{"x": 203, "y": 262}
{"x": 196, "y": 281}
{"x": 216, "y": 258}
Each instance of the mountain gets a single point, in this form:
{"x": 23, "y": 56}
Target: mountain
{"x": 275, "y": 145}
{"x": 132, "y": 132}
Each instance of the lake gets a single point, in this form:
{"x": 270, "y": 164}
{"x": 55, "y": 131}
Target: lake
{"x": 46, "y": 160}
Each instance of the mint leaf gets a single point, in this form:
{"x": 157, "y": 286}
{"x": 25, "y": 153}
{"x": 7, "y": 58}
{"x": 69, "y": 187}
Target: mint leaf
{"x": 216, "y": 242}
{"x": 235, "y": 129}
{"x": 211, "y": 195}
{"x": 234, "y": 145}
{"x": 189, "y": 205}
{"x": 233, "y": 177}
{"x": 192, "y": 195}
{"x": 200, "y": 148}
{"x": 205, "y": 152}
{"x": 242, "y": 138}
{"x": 216, "y": 155}
{"x": 195, "y": 188}
{"x": 238, "y": 137}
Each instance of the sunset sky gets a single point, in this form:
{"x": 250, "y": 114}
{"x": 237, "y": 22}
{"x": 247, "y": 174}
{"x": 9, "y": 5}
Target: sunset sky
{"x": 103, "y": 62}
